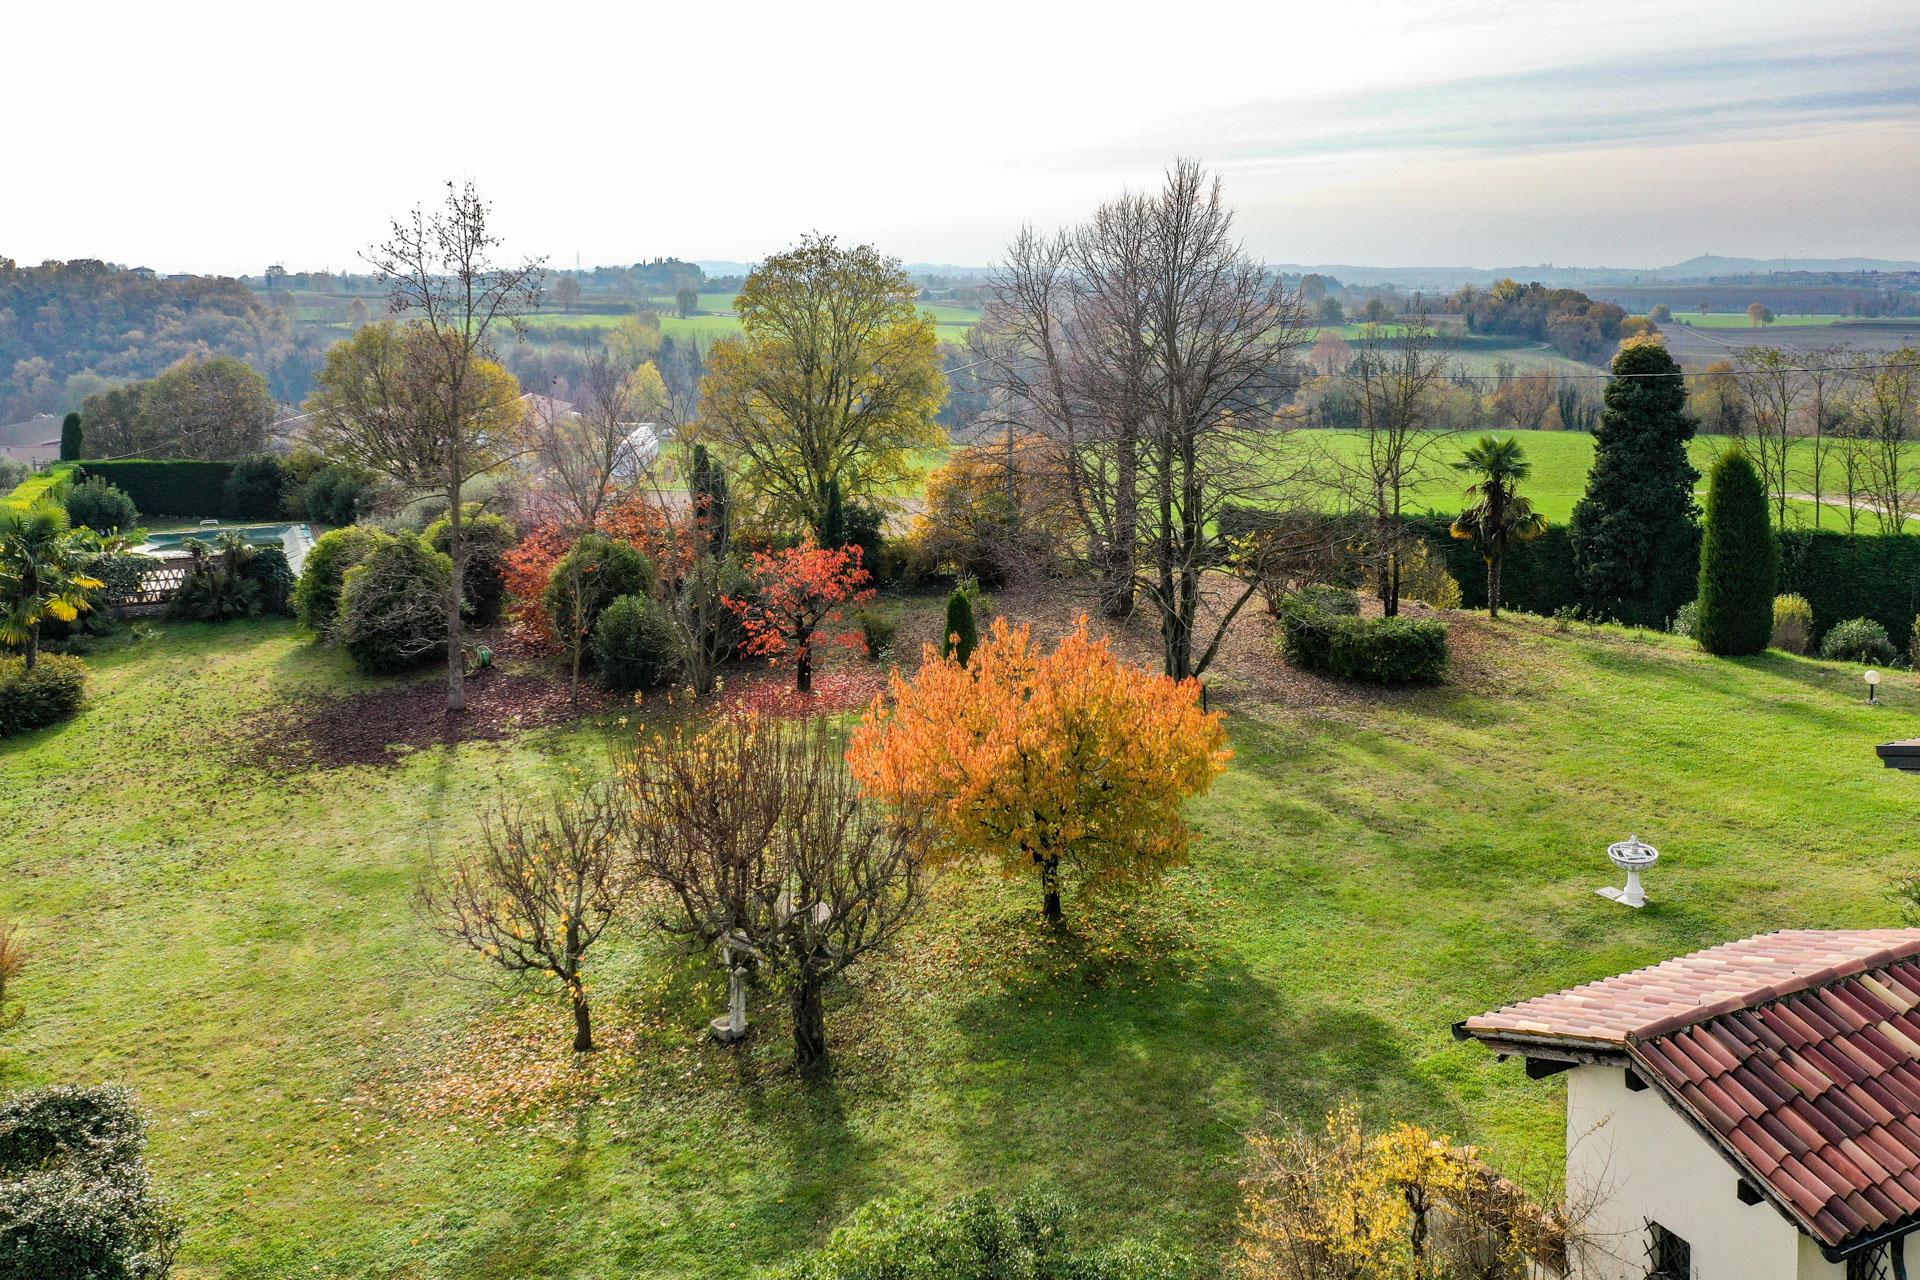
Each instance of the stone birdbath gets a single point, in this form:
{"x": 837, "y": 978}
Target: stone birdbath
{"x": 1632, "y": 855}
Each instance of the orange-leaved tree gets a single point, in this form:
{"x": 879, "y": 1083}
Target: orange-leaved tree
{"x": 796, "y": 591}
{"x": 1066, "y": 763}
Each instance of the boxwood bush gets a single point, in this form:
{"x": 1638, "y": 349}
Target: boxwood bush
{"x": 634, "y": 645}
{"x": 316, "y": 598}
{"x": 101, "y": 507}
{"x": 1857, "y": 640}
{"x": 393, "y": 606}
{"x": 47, "y": 694}
{"x": 1387, "y": 651}
{"x": 488, "y": 538}
{"x": 603, "y": 569}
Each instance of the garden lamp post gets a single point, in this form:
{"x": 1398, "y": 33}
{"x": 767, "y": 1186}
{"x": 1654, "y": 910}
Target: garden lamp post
{"x": 1873, "y": 686}
{"x": 1632, "y": 855}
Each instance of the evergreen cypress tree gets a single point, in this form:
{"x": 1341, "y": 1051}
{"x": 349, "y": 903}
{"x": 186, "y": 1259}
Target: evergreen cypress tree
{"x": 70, "y": 438}
{"x": 709, "y": 483}
{"x": 960, "y": 635}
{"x": 833, "y": 524}
{"x": 1635, "y": 534}
{"x": 1739, "y": 561}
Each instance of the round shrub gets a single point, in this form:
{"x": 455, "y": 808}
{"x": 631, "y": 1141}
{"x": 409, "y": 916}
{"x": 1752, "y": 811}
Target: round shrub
{"x": 268, "y": 570}
{"x": 316, "y": 598}
{"x": 487, "y": 538}
{"x": 101, "y": 506}
{"x": 1792, "y": 623}
{"x": 634, "y": 644}
{"x": 393, "y": 606}
{"x": 334, "y": 495}
{"x": 877, "y": 630}
{"x": 602, "y": 570}
{"x": 1857, "y": 640}
{"x": 1738, "y": 561}
{"x": 47, "y": 694}
{"x": 256, "y": 488}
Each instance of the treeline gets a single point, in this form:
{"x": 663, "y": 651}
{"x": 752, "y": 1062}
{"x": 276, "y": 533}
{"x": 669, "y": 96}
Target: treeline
{"x": 1565, "y": 319}
{"x": 69, "y": 330}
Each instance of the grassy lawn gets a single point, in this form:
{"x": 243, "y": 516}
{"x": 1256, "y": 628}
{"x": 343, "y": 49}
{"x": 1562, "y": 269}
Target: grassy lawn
{"x": 1561, "y": 460}
{"x": 331, "y": 1096}
{"x": 951, "y": 324}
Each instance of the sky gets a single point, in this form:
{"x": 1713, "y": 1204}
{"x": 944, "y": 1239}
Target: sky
{"x": 222, "y": 137}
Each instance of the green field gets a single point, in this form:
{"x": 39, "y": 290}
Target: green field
{"x": 952, "y": 324}
{"x": 332, "y": 1096}
{"x": 1738, "y": 320}
{"x": 1561, "y": 460}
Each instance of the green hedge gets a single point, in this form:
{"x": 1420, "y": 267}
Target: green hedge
{"x": 1385, "y": 651}
{"x": 52, "y": 483}
{"x": 1876, "y": 576}
{"x": 174, "y": 487}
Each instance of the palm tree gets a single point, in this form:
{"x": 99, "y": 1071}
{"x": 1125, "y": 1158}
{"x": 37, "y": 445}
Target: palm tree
{"x": 1498, "y": 516}
{"x": 43, "y": 573}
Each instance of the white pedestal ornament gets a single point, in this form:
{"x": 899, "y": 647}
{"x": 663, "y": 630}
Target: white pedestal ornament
{"x": 1632, "y": 856}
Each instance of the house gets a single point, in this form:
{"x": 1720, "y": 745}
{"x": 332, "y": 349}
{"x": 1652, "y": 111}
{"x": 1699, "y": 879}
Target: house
{"x": 36, "y": 441}
{"x": 1751, "y": 1111}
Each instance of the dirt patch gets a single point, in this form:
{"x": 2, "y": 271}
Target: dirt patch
{"x": 382, "y": 726}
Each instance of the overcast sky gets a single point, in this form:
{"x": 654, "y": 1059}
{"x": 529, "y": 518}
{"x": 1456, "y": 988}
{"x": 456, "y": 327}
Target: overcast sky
{"x": 217, "y": 137}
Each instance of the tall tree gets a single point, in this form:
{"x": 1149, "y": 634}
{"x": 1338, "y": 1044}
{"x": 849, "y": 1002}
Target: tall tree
{"x": 1739, "y": 561}
{"x": 1497, "y": 515}
{"x": 44, "y": 573}
{"x": 1885, "y": 407}
{"x": 1071, "y": 764}
{"x": 835, "y": 376}
{"x": 588, "y": 452}
{"x": 1635, "y": 537}
{"x": 686, "y": 300}
{"x": 1771, "y": 385}
{"x": 1396, "y": 381}
{"x": 440, "y": 271}
{"x": 566, "y": 292}
{"x": 1155, "y": 351}
{"x": 212, "y": 407}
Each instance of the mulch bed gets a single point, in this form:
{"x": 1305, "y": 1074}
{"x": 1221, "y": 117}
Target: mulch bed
{"x": 382, "y": 726}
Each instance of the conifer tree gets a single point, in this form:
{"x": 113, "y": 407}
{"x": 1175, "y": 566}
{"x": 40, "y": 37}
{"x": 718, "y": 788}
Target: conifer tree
{"x": 70, "y": 438}
{"x": 961, "y": 635}
{"x": 1738, "y": 561}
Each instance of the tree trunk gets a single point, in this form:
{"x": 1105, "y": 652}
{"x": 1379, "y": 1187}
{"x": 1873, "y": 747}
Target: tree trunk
{"x": 33, "y": 645}
{"x": 1050, "y": 888}
{"x": 457, "y": 549}
{"x": 582, "y": 1019}
{"x": 809, "y": 1027}
{"x": 1493, "y": 586}
{"x": 803, "y": 669}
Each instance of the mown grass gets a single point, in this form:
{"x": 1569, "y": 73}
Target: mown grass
{"x": 238, "y": 941}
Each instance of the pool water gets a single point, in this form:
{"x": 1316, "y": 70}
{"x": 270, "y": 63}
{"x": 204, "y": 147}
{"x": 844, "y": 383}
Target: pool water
{"x": 294, "y": 539}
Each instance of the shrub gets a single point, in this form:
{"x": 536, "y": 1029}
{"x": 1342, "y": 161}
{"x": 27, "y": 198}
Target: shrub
{"x": 1913, "y": 645}
{"x": 393, "y": 605}
{"x": 1029, "y": 1239}
{"x": 1686, "y": 620}
{"x": 1739, "y": 563}
{"x": 1338, "y": 601}
{"x": 961, "y": 635}
{"x": 334, "y": 495}
{"x": 267, "y": 568}
{"x": 255, "y": 488}
{"x": 233, "y": 579}
{"x": 1792, "y": 623}
{"x": 1424, "y": 577}
{"x": 76, "y": 1201}
{"x": 46, "y": 695}
{"x": 169, "y": 487}
{"x": 316, "y": 599}
{"x": 488, "y": 538}
{"x": 1857, "y": 640}
{"x": 634, "y": 644}
{"x": 602, "y": 570}
{"x": 101, "y": 507}
{"x": 1388, "y": 651}
{"x": 877, "y": 630}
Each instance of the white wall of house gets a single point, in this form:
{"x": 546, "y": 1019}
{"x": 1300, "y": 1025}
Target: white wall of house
{"x": 1634, "y": 1159}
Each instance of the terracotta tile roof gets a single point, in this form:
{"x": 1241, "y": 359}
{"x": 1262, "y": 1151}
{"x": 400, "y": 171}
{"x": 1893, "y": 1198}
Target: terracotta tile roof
{"x": 1815, "y": 1096}
{"x": 1736, "y": 975}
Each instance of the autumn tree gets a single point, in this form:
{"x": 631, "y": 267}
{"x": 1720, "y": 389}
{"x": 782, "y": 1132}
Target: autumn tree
{"x": 1758, "y": 314}
{"x": 1523, "y": 401}
{"x": 13, "y": 962}
{"x": 762, "y": 843}
{"x": 794, "y": 593}
{"x": 686, "y": 300}
{"x": 1885, "y": 408}
{"x": 1071, "y": 764}
{"x": 566, "y": 292}
{"x": 441, "y": 274}
{"x": 835, "y": 376}
{"x": 539, "y": 892}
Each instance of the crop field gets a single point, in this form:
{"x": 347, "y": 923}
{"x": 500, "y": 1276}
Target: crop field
{"x": 1738, "y": 320}
{"x": 952, "y": 324}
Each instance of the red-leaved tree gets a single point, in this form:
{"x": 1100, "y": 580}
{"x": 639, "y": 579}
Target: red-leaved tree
{"x": 526, "y": 569}
{"x": 797, "y": 592}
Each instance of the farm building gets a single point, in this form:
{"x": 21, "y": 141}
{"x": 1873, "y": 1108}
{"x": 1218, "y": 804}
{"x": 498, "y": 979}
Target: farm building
{"x": 35, "y": 441}
{"x": 1750, "y": 1111}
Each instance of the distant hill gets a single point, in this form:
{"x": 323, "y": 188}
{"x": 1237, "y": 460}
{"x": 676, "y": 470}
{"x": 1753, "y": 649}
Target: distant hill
{"x": 1706, "y": 266}
{"x": 1438, "y": 280}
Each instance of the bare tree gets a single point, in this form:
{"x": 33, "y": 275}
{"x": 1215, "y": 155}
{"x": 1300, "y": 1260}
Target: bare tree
{"x": 586, "y": 454}
{"x": 1396, "y": 382}
{"x": 762, "y": 841}
{"x": 541, "y": 892}
{"x": 1156, "y": 352}
{"x": 1885, "y": 406}
{"x": 1771, "y": 386}
{"x": 439, "y": 271}
{"x": 1825, "y": 371}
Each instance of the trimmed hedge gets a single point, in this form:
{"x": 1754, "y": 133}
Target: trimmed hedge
{"x": 1387, "y": 651}
{"x": 1874, "y": 576}
{"x": 51, "y": 484}
{"x": 47, "y": 694}
{"x": 170, "y": 487}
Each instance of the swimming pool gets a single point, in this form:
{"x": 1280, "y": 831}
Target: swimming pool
{"x": 294, "y": 539}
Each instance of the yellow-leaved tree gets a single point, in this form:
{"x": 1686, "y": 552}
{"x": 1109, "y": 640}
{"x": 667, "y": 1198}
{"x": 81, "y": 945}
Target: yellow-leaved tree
{"x": 834, "y": 379}
{"x": 1069, "y": 764}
